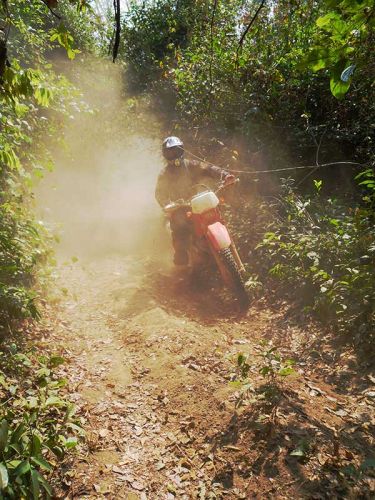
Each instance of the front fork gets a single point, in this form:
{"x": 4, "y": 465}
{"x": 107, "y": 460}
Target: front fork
{"x": 237, "y": 258}
{"x": 219, "y": 240}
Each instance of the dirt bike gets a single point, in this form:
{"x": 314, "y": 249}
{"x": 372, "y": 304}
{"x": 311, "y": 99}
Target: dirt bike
{"x": 210, "y": 237}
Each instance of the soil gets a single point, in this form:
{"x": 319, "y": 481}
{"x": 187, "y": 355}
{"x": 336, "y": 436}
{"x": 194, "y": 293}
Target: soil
{"x": 150, "y": 360}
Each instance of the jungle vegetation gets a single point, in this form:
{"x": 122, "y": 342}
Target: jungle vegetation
{"x": 293, "y": 83}
{"x": 237, "y": 78}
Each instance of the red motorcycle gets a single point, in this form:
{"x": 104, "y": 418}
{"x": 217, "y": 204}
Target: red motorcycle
{"x": 210, "y": 239}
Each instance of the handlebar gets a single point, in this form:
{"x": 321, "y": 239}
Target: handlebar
{"x": 176, "y": 205}
{"x": 224, "y": 185}
{"x": 181, "y": 203}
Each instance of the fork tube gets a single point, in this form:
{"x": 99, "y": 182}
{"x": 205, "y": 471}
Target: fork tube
{"x": 237, "y": 258}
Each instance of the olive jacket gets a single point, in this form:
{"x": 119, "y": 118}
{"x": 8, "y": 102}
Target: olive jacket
{"x": 176, "y": 182}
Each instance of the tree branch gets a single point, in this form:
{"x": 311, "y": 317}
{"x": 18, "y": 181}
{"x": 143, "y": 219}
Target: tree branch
{"x": 47, "y": 4}
{"x": 116, "y": 45}
{"x": 212, "y": 44}
{"x": 243, "y": 36}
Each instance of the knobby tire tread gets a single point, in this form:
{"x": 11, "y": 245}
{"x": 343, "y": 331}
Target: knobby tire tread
{"x": 237, "y": 279}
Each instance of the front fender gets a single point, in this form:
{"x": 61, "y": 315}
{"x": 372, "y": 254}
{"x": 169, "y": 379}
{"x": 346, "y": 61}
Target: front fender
{"x": 218, "y": 236}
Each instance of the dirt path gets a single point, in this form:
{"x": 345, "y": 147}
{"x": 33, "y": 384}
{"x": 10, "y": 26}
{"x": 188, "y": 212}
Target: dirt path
{"x": 149, "y": 363}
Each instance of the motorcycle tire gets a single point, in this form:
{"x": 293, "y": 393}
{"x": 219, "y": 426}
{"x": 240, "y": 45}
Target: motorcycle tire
{"x": 233, "y": 276}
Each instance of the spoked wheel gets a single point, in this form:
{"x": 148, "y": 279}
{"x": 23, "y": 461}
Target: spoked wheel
{"x": 232, "y": 275}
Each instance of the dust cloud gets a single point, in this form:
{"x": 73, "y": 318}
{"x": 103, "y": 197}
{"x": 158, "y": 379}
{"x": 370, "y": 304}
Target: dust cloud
{"x": 99, "y": 199}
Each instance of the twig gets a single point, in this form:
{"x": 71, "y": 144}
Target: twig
{"x": 240, "y": 44}
{"x": 319, "y": 145}
{"x": 212, "y": 45}
{"x": 316, "y": 158}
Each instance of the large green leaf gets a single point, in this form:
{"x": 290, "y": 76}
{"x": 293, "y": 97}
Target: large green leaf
{"x": 35, "y": 484}
{"x": 317, "y": 59}
{"x": 337, "y": 86}
{"x": 18, "y": 433}
{"x": 22, "y": 469}
{"x": 42, "y": 463}
{"x": 4, "y": 478}
{"x": 325, "y": 21}
{"x": 43, "y": 482}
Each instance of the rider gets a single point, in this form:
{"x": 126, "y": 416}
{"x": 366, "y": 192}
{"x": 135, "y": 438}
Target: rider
{"x": 176, "y": 181}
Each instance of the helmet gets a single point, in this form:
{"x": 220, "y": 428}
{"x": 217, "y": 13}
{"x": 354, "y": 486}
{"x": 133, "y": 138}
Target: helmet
{"x": 173, "y": 148}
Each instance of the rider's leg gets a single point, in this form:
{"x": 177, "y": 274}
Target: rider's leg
{"x": 180, "y": 244}
{"x": 181, "y": 238}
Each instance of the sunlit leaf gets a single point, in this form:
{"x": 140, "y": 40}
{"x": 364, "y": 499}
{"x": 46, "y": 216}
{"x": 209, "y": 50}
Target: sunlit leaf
{"x": 4, "y": 478}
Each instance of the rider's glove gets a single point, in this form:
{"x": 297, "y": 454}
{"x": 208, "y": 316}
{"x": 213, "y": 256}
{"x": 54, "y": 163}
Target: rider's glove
{"x": 229, "y": 178}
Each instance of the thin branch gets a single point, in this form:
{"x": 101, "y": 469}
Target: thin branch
{"x": 212, "y": 45}
{"x": 116, "y": 45}
{"x": 6, "y": 28}
{"x": 316, "y": 158}
{"x": 242, "y": 39}
{"x": 319, "y": 145}
{"x": 4, "y": 35}
{"x": 52, "y": 11}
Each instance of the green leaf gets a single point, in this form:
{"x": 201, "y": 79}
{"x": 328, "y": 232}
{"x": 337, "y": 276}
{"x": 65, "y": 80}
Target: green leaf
{"x": 35, "y": 484}
{"x": 22, "y": 358}
{"x": 36, "y": 446}
{"x": 365, "y": 173}
{"x": 4, "y": 428}
{"x": 241, "y": 358}
{"x": 71, "y": 442}
{"x": 302, "y": 449}
{"x": 13, "y": 464}
{"x": 32, "y": 402}
{"x": 42, "y": 463}
{"x": 43, "y": 372}
{"x": 4, "y": 478}
{"x": 298, "y": 452}
{"x": 337, "y": 86}
{"x": 326, "y": 20}
{"x": 22, "y": 469}
{"x": 44, "y": 483}
{"x": 236, "y": 384}
{"x": 317, "y": 59}
{"x": 288, "y": 370}
{"x": 56, "y": 361}
{"x": 17, "y": 433}
{"x": 55, "y": 401}
{"x": 368, "y": 182}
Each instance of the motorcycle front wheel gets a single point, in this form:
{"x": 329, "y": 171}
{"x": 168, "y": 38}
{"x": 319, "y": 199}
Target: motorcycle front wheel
{"x": 232, "y": 276}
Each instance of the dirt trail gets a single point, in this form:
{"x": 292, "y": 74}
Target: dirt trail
{"x": 148, "y": 376}
{"x": 149, "y": 365}
{"x": 150, "y": 355}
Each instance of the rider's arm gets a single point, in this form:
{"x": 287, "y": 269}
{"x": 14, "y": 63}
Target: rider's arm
{"x": 204, "y": 168}
{"x": 162, "y": 190}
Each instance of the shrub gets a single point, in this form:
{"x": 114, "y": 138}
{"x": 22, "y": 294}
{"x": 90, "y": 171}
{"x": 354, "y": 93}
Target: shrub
{"x": 324, "y": 254}
{"x": 37, "y": 423}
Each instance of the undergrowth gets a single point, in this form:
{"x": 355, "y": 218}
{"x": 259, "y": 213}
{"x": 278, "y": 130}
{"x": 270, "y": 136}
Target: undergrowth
{"x": 272, "y": 367}
{"x": 321, "y": 252}
{"x": 37, "y": 423}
